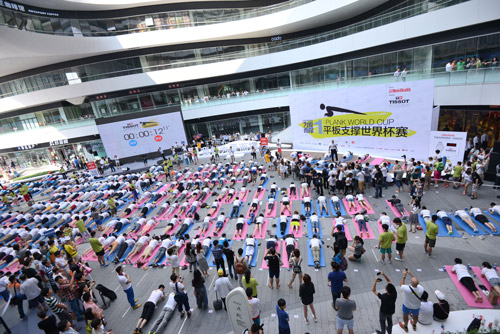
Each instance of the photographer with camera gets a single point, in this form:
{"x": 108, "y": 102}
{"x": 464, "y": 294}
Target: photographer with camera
{"x": 388, "y": 303}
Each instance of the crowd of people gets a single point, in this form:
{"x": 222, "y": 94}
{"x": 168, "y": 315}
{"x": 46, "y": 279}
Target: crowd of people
{"x": 152, "y": 220}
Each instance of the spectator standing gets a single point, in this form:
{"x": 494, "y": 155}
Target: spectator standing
{"x": 222, "y": 287}
{"x": 217, "y": 252}
{"x": 126, "y": 283}
{"x": 306, "y": 294}
{"x": 336, "y": 279}
{"x": 412, "y": 298}
{"x": 431, "y": 235}
{"x": 401, "y": 238}
{"x": 388, "y": 303}
{"x": 283, "y": 318}
{"x": 397, "y": 74}
{"x": 385, "y": 243}
{"x": 200, "y": 291}
{"x": 29, "y": 287}
{"x": 345, "y": 308}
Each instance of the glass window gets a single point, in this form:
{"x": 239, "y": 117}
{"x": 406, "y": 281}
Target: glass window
{"x": 442, "y": 54}
{"x": 376, "y": 64}
{"x": 390, "y": 62}
{"x": 360, "y": 67}
{"x": 56, "y": 26}
{"x": 405, "y": 59}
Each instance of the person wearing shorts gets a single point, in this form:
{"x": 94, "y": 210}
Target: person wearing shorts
{"x": 478, "y": 215}
{"x": 446, "y": 220}
{"x": 295, "y": 222}
{"x": 285, "y": 203}
{"x": 149, "y": 308}
{"x": 466, "y": 279}
{"x": 345, "y": 308}
{"x": 239, "y": 226}
{"x": 491, "y": 275}
{"x": 385, "y": 242}
{"x": 258, "y": 225}
{"x": 307, "y": 205}
{"x": 273, "y": 260}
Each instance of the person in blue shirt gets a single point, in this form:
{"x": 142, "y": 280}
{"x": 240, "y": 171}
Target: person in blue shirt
{"x": 336, "y": 280}
{"x": 283, "y": 319}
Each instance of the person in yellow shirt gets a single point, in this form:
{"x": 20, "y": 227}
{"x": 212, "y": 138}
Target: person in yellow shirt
{"x": 431, "y": 235}
{"x": 70, "y": 248}
{"x": 385, "y": 243}
{"x": 401, "y": 238}
{"x": 112, "y": 205}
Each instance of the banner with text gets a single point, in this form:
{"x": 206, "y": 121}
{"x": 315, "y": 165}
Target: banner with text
{"x": 450, "y": 144}
{"x": 382, "y": 120}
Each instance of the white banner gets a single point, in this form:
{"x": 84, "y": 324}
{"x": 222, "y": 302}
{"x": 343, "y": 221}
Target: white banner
{"x": 142, "y": 135}
{"x": 450, "y": 144}
{"x": 382, "y": 120}
{"x": 240, "y": 146}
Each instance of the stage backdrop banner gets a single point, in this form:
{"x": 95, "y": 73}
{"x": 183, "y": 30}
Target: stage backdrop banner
{"x": 450, "y": 144}
{"x": 141, "y": 135}
{"x": 382, "y": 120}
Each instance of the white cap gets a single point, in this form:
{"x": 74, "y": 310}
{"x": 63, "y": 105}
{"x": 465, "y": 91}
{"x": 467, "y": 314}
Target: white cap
{"x": 439, "y": 295}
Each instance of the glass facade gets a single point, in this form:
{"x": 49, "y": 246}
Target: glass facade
{"x": 18, "y": 18}
{"x": 185, "y": 58}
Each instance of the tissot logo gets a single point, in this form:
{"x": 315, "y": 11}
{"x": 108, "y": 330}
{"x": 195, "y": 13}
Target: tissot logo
{"x": 399, "y": 100}
{"x": 130, "y": 126}
{"x": 331, "y": 109}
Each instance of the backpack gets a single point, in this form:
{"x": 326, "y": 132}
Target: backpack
{"x": 343, "y": 264}
{"x": 239, "y": 267}
{"x": 297, "y": 269}
{"x": 180, "y": 296}
{"x": 341, "y": 241}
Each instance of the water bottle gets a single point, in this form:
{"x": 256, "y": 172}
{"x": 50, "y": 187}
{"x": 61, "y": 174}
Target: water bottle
{"x": 468, "y": 266}
{"x": 451, "y": 212}
{"x": 444, "y": 268}
{"x": 442, "y": 328}
{"x": 495, "y": 266}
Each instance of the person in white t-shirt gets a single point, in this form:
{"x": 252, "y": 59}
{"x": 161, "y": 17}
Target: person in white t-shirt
{"x": 126, "y": 284}
{"x": 412, "y": 294}
{"x": 478, "y": 215}
{"x": 165, "y": 315}
{"x": 426, "y": 310}
{"x": 148, "y": 251}
{"x": 149, "y": 307}
{"x": 494, "y": 209}
{"x": 466, "y": 218}
{"x": 491, "y": 275}
{"x": 139, "y": 245}
{"x": 315, "y": 245}
{"x": 466, "y": 279}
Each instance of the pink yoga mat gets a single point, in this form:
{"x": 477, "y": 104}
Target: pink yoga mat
{"x": 346, "y": 230}
{"x": 264, "y": 229}
{"x": 358, "y": 207}
{"x": 260, "y": 195}
{"x": 148, "y": 259}
{"x": 376, "y": 161}
{"x": 483, "y": 280}
{"x": 169, "y": 216}
{"x": 243, "y": 195}
{"x": 295, "y": 196}
{"x": 163, "y": 188}
{"x": 256, "y": 212}
{"x": 243, "y": 232}
{"x": 364, "y": 235}
{"x": 135, "y": 234}
{"x": 299, "y": 233}
{"x": 272, "y": 214}
{"x": 278, "y": 245}
{"x": 308, "y": 192}
{"x": 466, "y": 294}
{"x": 393, "y": 209}
{"x": 89, "y": 256}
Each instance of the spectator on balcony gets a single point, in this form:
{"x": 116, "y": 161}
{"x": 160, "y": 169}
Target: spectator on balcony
{"x": 460, "y": 65}
{"x": 449, "y": 66}
{"x": 403, "y": 74}
{"x": 397, "y": 74}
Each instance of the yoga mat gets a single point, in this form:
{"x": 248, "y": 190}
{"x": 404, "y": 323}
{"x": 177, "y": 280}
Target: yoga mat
{"x": 304, "y": 209}
{"x": 272, "y": 214}
{"x": 277, "y": 248}
{"x": 255, "y": 253}
{"x": 395, "y": 211}
{"x": 207, "y": 232}
{"x": 256, "y": 211}
{"x": 243, "y": 196}
{"x": 239, "y": 211}
{"x": 310, "y": 260}
{"x": 264, "y": 229}
{"x": 376, "y": 161}
{"x": 466, "y": 294}
{"x": 343, "y": 212}
{"x": 284, "y": 257}
{"x": 149, "y": 258}
{"x": 308, "y": 192}
{"x": 243, "y": 232}
{"x": 495, "y": 215}
{"x": 322, "y": 213}
{"x": 297, "y": 234}
{"x": 372, "y": 236}
{"x": 295, "y": 196}
{"x": 358, "y": 207}
{"x": 212, "y": 232}
{"x": 310, "y": 229}
{"x": 260, "y": 196}
{"x": 486, "y": 228}
{"x": 484, "y": 281}
{"x": 346, "y": 158}
{"x": 466, "y": 227}
{"x": 422, "y": 223}
{"x": 278, "y": 230}
{"x": 443, "y": 231}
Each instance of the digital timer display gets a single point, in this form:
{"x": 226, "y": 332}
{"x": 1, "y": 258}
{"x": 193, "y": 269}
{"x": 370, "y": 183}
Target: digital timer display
{"x": 142, "y": 135}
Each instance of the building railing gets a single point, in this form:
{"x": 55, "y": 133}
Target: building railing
{"x": 134, "y": 65}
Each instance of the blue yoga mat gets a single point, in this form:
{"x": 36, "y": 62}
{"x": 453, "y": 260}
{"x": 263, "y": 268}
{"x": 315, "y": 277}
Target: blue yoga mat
{"x": 334, "y": 212}
{"x": 422, "y": 223}
{"x": 466, "y": 227}
{"x": 443, "y": 231}
{"x": 486, "y": 228}
{"x": 211, "y": 263}
{"x": 278, "y": 230}
{"x": 304, "y": 208}
{"x": 322, "y": 213}
{"x": 310, "y": 260}
{"x": 265, "y": 182}
{"x": 310, "y": 229}
{"x": 256, "y": 252}
{"x": 239, "y": 211}
{"x": 495, "y": 216}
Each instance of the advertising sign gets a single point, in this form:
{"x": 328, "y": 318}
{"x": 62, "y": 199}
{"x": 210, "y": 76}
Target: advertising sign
{"x": 450, "y": 144}
{"x": 92, "y": 168}
{"x": 264, "y": 141}
{"x": 386, "y": 120}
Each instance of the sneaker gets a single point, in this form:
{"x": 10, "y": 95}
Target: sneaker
{"x": 182, "y": 315}
{"x": 189, "y": 314}
{"x": 450, "y": 232}
{"x": 137, "y": 306}
{"x": 136, "y": 300}
{"x": 403, "y": 327}
{"x": 397, "y": 258}
{"x": 315, "y": 319}
{"x": 414, "y": 325}
{"x": 382, "y": 262}
{"x": 307, "y": 321}
{"x": 390, "y": 262}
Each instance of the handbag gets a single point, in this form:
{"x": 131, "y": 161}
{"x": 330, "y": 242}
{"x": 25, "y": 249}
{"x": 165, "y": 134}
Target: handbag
{"x": 217, "y": 302}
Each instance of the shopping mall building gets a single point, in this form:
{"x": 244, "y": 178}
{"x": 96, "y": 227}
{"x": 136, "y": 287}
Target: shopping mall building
{"x": 230, "y": 66}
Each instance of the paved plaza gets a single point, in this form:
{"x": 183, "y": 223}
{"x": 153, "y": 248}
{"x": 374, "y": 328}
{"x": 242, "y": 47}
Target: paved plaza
{"x": 473, "y": 250}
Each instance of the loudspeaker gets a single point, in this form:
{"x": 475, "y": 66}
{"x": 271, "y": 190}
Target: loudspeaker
{"x": 496, "y": 147}
{"x": 491, "y": 172}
